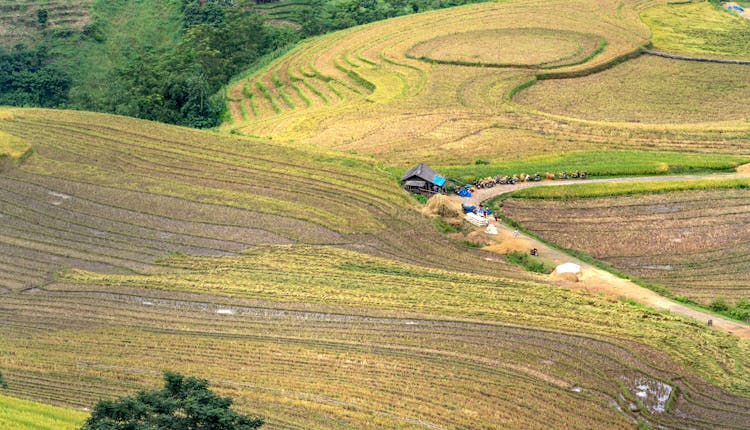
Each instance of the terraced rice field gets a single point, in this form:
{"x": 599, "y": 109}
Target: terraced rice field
{"x": 513, "y": 47}
{"x": 427, "y": 88}
{"x": 314, "y": 337}
{"x": 658, "y": 90}
{"x": 694, "y": 243}
{"x": 113, "y": 194}
{"x": 357, "y": 89}
{"x": 19, "y": 23}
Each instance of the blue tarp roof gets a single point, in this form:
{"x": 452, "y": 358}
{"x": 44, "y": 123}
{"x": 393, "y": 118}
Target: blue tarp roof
{"x": 439, "y": 180}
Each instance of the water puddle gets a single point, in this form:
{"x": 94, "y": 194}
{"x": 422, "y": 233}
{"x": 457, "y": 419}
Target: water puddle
{"x": 652, "y": 394}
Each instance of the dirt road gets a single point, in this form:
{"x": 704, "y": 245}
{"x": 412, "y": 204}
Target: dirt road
{"x": 593, "y": 279}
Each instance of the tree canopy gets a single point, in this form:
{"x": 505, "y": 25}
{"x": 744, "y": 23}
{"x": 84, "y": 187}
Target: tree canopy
{"x": 185, "y": 403}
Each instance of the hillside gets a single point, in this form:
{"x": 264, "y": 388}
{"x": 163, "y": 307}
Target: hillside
{"x": 105, "y": 192}
{"x": 277, "y": 257}
{"x": 303, "y": 283}
{"x": 422, "y": 88}
{"x": 21, "y": 21}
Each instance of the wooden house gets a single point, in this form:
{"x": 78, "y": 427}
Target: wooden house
{"x": 422, "y": 180}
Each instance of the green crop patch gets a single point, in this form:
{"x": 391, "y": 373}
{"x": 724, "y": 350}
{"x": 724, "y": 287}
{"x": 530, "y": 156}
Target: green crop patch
{"x": 601, "y": 163}
{"x": 699, "y": 28}
{"x": 18, "y": 414}
{"x": 578, "y": 191}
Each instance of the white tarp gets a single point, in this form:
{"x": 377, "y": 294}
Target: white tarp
{"x": 568, "y": 268}
{"x": 476, "y": 219}
{"x": 491, "y": 229}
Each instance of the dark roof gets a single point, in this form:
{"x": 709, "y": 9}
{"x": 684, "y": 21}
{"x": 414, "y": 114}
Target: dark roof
{"x": 425, "y": 173}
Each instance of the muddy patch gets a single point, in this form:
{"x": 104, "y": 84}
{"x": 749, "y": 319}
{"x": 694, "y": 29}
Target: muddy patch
{"x": 649, "y": 393}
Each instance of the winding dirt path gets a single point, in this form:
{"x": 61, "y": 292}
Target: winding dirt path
{"x": 592, "y": 278}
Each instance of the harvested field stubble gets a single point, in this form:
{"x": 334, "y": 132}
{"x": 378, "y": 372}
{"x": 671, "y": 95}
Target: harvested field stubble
{"x": 694, "y": 243}
{"x": 321, "y": 338}
{"x": 112, "y": 194}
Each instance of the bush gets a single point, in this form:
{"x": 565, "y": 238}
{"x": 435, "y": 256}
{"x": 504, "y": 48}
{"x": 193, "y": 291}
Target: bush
{"x": 184, "y": 403}
{"x": 719, "y": 305}
{"x": 418, "y": 197}
{"x": 445, "y": 227}
{"x": 531, "y": 264}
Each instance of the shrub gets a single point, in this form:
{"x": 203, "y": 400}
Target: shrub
{"x": 445, "y": 227}
{"x": 719, "y": 305}
{"x": 531, "y": 264}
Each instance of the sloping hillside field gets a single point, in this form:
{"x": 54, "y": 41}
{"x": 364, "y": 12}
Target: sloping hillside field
{"x": 278, "y": 258}
{"x": 303, "y": 284}
{"x": 694, "y": 243}
{"x": 504, "y": 80}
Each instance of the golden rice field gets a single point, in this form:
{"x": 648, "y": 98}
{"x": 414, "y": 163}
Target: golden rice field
{"x": 288, "y": 268}
{"x": 427, "y": 87}
{"x": 317, "y": 337}
{"x": 699, "y": 28}
{"x": 693, "y": 242}
{"x": 513, "y": 47}
{"x": 658, "y": 90}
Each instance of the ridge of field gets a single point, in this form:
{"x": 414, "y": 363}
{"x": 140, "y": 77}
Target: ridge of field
{"x": 19, "y": 22}
{"x": 284, "y": 10}
{"x": 359, "y": 90}
{"x": 19, "y": 414}
{"x": 110, "y": 193}
{"x": 690, "y": 238}
{"x": 596, "y": 163}
{"x": 699, "y": 28}
{"x": 318, "y": 337}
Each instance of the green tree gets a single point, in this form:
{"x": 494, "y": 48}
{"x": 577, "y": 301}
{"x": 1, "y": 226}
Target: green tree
{"x": 183, "y": 404}
{"x": 42, "y": 15}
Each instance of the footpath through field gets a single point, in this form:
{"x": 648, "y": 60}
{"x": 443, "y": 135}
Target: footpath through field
{"x": 594, "y": 279}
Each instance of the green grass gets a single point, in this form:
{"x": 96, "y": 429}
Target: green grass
{"x": 18, "y": 414}
{"x": 129, "y": 27}
{"x": 13, "y": 147}
{"x": 529, "y": 263}
{"x": 699, "y": 28}
{"x": 599, "y": 163}
{"x": 578, "y": 191}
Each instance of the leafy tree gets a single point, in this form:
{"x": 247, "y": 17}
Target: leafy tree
{"x": 28, "y": 78}
{"x": 183, "y": 404}
{"x": 42, "y": 15}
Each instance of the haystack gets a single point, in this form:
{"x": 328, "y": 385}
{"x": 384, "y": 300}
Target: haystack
{"x": 567, "y": 272}
{"x": 443, "y": 206}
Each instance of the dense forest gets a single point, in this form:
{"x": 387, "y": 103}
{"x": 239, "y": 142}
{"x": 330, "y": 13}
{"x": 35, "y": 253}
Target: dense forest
{"x": 168, "y": 61}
